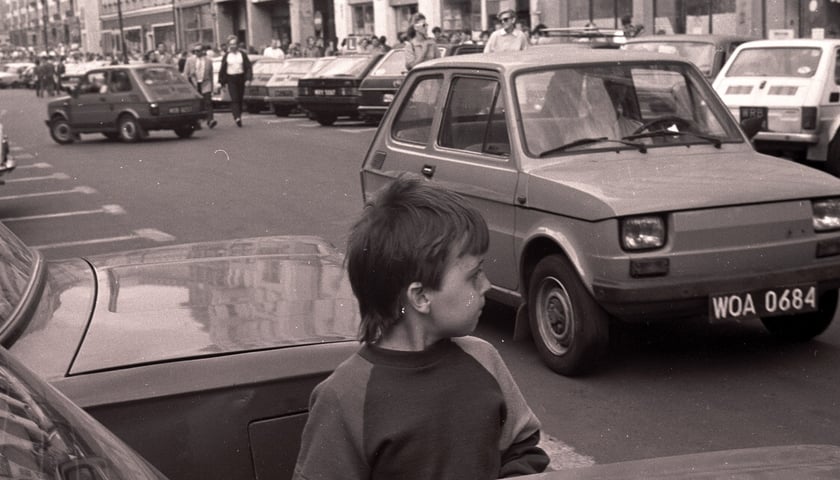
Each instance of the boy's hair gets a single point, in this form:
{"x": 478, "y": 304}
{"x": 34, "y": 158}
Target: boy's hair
{"x": 408, "y": 233}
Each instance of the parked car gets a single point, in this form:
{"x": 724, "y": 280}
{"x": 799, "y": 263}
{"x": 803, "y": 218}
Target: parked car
{"x": 12, "y": 75}
{"x": 201, "y": 357}
{"x": 801, "y": 462}
{"x": 334, "y": 91}
{"x": 380, "y": 85}
{"x": 283, "y": 85}
{"x": 707, "y": 52}
{"x": 43, "y": 435}
{"x": 615, "y": 185}
{"x": 793, "y": 88}
{"x": 256, "y": 91}
{"x": 125, "y": 102}
{"x": 7, "y": 163}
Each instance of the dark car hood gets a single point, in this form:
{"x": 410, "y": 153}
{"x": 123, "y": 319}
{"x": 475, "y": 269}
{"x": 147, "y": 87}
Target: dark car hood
{"x": 188, "y": 301}
{"x": 799, "y": 462}
{"x": 608, "y": 184}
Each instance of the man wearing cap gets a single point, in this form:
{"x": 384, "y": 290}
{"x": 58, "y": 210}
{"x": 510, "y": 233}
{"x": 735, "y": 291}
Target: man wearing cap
{"x": 508, "y": 38}
{"x": 199, "y": 72}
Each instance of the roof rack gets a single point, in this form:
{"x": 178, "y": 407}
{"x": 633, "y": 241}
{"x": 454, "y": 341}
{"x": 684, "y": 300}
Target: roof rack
{"x": 603, "y": 37}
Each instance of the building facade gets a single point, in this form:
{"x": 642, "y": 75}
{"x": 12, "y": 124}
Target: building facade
{"x": 44, "y": 25}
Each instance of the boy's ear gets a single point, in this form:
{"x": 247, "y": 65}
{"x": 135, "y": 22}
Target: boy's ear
{"x": 417, "y": 298}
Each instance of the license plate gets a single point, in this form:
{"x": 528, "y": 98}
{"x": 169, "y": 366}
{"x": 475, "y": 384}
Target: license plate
{"x": 282, "y": 93}
{"x": 323, "y": 91}
{"x": 387, "y": 98}
{"x": 186, "y": 109}
{"x": 764, "y": 303}
{"x": 755, "y": 112}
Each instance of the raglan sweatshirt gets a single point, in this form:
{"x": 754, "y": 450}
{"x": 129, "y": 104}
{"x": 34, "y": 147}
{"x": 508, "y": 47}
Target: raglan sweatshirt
{"x": 452, "y": 411}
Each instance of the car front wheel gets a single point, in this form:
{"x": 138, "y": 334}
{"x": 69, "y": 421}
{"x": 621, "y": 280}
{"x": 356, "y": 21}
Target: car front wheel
{"x": 185, "y": 131}
{"x": 570, "y": 329}
{"x": 130, "y": 130}
{"x": 61, "y": 132}
{"x": 805, "y": 326}
{"x": 325, "y": 119}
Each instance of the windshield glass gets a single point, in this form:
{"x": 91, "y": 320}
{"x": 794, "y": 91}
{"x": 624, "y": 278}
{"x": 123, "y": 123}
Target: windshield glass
{"x": 345, "y": 66}
{"x": 267, "y": 67}
{"x": 701, "y": 54}
{"x": 564, "y": 105}
{"x": 297, "y": 67}
{"x": 17, "y": 266}
{"x": 392, "y": 65}
{"x": 159, "y": 75}
{"x": 775, "y": 62}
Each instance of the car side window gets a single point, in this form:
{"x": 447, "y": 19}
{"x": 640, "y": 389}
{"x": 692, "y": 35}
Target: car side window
{"x": 837, "y": 67}
{"x": 94, "y": 83}
{"x": 414, "y": 120}
{"x": 474, "y": 118}
{"x": 120, "y": 81}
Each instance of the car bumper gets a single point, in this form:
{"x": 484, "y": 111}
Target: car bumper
{"x": 336, "y": 105}
{"x": 664, "y": 297}
{"x": 787, "y": 137}
{"x": 164, "y": 123}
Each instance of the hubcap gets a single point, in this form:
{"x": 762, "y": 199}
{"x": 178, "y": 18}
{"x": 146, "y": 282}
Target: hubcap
{"x": 128, "y": 130}
{"x": 62, "y": 131}
{"x": 556, "y": 316}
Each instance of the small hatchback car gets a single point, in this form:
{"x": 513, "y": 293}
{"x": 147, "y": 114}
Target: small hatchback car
{"x": 615, "y": 185}
{"x": 125, "y": 102}
{"x": 792, "y": 87}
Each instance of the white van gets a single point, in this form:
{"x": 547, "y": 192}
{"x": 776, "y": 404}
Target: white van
{"x": 792, "y": 87}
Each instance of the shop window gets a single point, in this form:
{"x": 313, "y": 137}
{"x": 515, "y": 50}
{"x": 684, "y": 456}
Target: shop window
{"x": 363, "y": 19}
{"x": 695, "y": 16}
{"x": 600, "y": 13}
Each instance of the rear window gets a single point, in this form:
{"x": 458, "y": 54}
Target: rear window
{"x": 392, "y": 65}
{"x": 297, "y": 67}
{"x": 776, "y": 62}
{"x": 345, "y": 67}
{"x": 700, "y": 54}
{"x": 270, "y": 68}
{"x": 159, "y": 75}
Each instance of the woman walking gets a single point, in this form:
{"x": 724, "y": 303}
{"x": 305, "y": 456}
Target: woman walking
{"x": 234, "y": 72}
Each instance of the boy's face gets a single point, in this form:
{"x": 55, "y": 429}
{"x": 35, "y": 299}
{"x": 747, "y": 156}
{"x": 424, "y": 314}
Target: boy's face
{"x": 456, "y": 306}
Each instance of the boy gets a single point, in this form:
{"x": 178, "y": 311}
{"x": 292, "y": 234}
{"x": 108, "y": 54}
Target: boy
{"x": 420, "y": 399}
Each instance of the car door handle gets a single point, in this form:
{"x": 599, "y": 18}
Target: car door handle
{"x": 428, "y": 171}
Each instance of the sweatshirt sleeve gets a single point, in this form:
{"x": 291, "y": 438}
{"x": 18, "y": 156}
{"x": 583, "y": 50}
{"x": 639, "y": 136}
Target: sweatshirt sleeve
{"x": 521, "y": 430}
{"x": 331, "y": 445}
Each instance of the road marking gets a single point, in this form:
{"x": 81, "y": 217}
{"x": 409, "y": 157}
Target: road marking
{"x": 54, "y": 176}
{"x": 15, "y": 148}
{"x": 109, "y": 209}
{"x": 357, "y": 130}
{"x": 23, "y": 156}
{"x": 34, "y": 165}
{"x": 310, "y": 125}
{"x": 85, "y": 190}
{"x": 143, "y": 233}
{"x": 563, "y": 456}
{"x": 282, "y": 120}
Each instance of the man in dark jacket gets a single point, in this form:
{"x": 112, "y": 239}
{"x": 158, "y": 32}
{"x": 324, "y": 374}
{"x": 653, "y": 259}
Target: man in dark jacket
{"x": 234, "y": 72}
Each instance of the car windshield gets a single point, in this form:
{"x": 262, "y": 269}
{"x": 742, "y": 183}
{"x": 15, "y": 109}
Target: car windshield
{"x": 350, "y": 66}
{"x": 658, "y": 104}
{"x": 701, "y": 54}
{"x": 267, "y": 67}
{"x": 393, "y": 64}
{"x": 17, "y": 269}
{"x": 297, "y": 67}
{"x": 798, "y": 62}
{"x": 159, "y": 75}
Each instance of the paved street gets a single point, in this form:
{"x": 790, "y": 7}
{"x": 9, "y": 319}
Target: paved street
{"x": 667, "y": 389}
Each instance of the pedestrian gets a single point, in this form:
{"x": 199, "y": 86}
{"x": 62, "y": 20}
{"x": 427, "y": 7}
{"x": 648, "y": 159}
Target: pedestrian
{"x": 628, "y": 28}
{"x": 39, "y": 75}
{"x": 421, "y": 398}
{"x": 419, "y": 46}
{"x": 233, "y": 73}
{"x": 161, "y": 55}
{"x": 48, "y": 76}
{"x": 182, "y": 61}
{"x": 199, "y": 72}
{"x": 274, "y": 50}
{"x": 508, "y": 38}
{"x": 60, "y": 70}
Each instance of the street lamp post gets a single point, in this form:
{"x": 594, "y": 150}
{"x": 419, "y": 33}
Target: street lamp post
{"x": 46, "y": 19}
{"x": 122, "y": 34}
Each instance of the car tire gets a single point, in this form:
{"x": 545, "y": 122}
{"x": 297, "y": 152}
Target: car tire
{"x": 282, "y": 111}
{"x": 61, "y": 132}
{"x": 251, "y": 108}
{"x": 832, "y": 161}
{"x": 570, "y": 329}
{"x": 325, "y": 119}
{"x": 805, "y": 326}
{"x": 130, "y": 129}
{"x": 185, "y": 131}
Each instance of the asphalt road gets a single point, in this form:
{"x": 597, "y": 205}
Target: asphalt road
{"x": 666, "y": 389}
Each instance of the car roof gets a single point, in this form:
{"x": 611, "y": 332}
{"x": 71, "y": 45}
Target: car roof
{"x": 688, "y": 37}
{"x": 794, "y": 42}
{"x": 132, "y": 66}
{"x": 543, "y": 55}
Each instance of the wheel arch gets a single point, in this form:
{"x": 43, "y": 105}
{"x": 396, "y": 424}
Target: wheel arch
{"x": 60, "y": 114}
{"x": 542, "y": 244}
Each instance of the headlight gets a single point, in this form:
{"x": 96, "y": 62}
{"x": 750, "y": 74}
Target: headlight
{"x": 154, "y": 109}
{"x": 642, "y": 233}
{"x": 826, "y": 214}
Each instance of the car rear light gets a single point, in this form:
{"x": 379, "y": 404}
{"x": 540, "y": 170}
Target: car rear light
{"x": 348, "y": 92}
{"x": 826, "y": 214}
{"x": 642, "y": 233}
{"x": 154, "y": 109}
{"x": 303, "y": 91}
{"x": 809, "y": 118}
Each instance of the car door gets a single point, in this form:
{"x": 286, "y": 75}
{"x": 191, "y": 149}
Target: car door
{"x": 90, "y": 106}
{"x": 464, "y": 147}
{"x": 121, "y": 94}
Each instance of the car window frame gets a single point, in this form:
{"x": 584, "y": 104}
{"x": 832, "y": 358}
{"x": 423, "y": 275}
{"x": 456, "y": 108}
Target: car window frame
{"x": 403, "y": 101}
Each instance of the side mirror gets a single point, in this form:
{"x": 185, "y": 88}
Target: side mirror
{"x": 751, "y": 126}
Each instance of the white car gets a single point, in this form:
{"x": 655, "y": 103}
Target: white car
{"x": 792, "y": 89}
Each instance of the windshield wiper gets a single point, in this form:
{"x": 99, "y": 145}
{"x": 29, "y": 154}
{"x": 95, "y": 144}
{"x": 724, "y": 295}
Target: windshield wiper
{"x": 716, "y": 141}
{"x": 588, "y": 141}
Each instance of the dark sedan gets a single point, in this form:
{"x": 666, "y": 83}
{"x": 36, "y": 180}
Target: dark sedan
{"x": 201, "y": 357}
{"x": 380, "y": 85}
{"x": 334, "y": 91}
{"x": 256, "y": 91}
